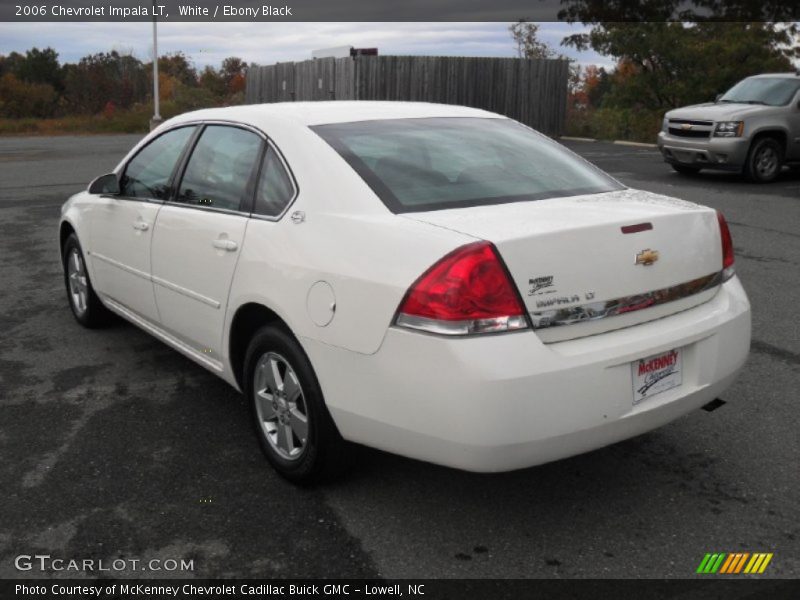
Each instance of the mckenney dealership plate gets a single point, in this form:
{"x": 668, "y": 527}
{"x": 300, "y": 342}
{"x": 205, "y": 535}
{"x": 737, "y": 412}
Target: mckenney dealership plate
{"x": 657, "y": 373}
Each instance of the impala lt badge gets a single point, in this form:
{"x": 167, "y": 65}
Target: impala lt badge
{"x": 539, "y": 283}
{"x": 647, "y": 257}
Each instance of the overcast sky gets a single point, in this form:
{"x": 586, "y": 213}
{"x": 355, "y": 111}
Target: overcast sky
{"x": 266, "y": 43}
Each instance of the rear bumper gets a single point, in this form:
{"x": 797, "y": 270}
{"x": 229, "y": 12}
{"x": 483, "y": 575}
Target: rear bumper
{"x": 497, "y": 403}
{"x": 713, "y": 153}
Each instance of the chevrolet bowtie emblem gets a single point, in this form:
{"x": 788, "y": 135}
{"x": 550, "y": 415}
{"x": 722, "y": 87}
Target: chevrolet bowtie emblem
{"x": 646, "y": 257}
{"x": 686, "y": 126}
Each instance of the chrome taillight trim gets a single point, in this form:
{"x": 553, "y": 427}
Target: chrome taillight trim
{"x": 594, "y": 311}
{"x": 465, "y": 327}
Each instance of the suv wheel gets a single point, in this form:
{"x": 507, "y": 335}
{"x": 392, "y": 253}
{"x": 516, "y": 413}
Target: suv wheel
{"x": 686, "y": 169}
{"x": 293, "y": 425}
{"x": 764, "y": 160}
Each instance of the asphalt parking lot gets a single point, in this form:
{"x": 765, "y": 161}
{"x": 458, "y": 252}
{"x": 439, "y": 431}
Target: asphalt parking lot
{"x": 113, "y": 445}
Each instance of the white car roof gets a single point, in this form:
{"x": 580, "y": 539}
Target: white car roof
{"x": 324, "y": 112}
{"x": 775, "y": 75}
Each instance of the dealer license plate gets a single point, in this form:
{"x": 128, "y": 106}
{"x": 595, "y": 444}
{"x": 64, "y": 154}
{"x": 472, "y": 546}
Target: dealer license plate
{"x": 657, "y": 373}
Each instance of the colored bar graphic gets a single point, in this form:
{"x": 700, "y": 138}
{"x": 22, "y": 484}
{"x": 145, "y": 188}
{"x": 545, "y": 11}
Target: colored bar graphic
{"x": 734, "y": 563}
{"x": 741, "y": 562}
{"x": 711, "y": 562}
{"x": 727, "y": 564}
{"x": 764, "y": 564}
{"x": 703, "y": 563}
{"x": 730, "y": 564}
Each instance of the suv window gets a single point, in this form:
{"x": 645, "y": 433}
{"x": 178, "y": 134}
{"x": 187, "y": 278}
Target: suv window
{"x": 772, "y": 91}
{"x": 220, "y": 168}
{"x": 147, "y": 175}
{"x": 275, "y": 189}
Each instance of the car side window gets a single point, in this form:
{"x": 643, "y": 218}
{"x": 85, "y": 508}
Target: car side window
{"x": 274, "y": 191}
{"x": 220, "y": 168}
{"x": 147, "y": 175}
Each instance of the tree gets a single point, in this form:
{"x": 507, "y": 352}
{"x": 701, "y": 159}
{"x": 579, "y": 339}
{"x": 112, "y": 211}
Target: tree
{"x": 105, "y": 77}
{"x": 671, "y": 64}
{"x": 19, "y": 99}
{"x": 525, "y": 35}
{"x": 686, "y": 11}
{"x": 211, "y": 80}
{"x": 234, "y": 71}
{"x": 40, "y": 66}
{"x": 177, "y": 66}
{"x": 596, "y": 84}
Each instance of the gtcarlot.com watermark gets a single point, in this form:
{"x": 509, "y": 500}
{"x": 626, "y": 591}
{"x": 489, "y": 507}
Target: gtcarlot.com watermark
{"x": 48, "y": 563}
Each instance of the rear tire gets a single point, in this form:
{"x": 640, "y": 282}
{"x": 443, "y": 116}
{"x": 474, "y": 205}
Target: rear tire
{"x": 686, "y": 169}
{"x": 86, "y": 307}
{"x": 764, "y": 160}
{"x": 292, "y": 422}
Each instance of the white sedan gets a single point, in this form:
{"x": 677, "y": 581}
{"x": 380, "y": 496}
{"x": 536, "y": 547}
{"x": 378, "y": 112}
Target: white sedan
{"x": 436, "y": 281}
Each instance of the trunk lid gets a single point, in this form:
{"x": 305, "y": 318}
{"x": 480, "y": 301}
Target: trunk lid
{"x": 577, "y": 271}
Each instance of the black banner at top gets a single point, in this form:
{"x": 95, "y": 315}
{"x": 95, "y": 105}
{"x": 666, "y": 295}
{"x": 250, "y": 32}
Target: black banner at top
{"x": 398, "y": 10}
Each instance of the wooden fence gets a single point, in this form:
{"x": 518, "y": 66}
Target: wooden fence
{"x": 531, "y": 91}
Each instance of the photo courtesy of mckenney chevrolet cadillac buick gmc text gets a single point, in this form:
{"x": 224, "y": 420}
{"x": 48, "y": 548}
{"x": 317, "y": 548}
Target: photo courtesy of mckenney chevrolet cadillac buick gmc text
{"x": 436, "y": 281}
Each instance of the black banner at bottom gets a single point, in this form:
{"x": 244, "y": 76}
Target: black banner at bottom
{"x": 423, "y": 589}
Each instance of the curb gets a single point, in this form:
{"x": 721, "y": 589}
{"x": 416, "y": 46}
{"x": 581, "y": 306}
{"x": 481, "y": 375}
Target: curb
{"x": 577, "y": 139}
{"x": 618, "y": 142}
{"x": 635, "y": 144}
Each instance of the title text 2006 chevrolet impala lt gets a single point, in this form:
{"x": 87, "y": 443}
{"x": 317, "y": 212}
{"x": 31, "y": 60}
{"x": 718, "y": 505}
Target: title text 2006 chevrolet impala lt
{"x": 436, "y": 281}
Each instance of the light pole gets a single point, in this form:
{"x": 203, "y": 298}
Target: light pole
{"x": 156, "y": 120}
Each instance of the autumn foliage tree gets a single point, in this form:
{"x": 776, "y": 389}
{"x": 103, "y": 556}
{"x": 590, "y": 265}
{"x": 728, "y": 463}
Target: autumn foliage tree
{"x": 669, "y": 64}
{"x": 35, "y": 84}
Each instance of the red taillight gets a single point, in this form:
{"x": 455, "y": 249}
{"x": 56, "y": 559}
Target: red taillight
{"x": 727, "y": 247}
{"x": 467, "y": 291}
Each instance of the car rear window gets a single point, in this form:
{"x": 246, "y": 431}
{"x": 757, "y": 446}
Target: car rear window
{"x": 416, "y": 165}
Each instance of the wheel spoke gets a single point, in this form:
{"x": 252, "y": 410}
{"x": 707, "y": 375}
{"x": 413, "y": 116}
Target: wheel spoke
{"x": 265, "y": 407}
{"x": 291, "y": 387}
{"x": 285, "y": 441}
{"x": 76, "y": 261}
{"x": 273, "y": 375}
{"x": 299, "y": 424}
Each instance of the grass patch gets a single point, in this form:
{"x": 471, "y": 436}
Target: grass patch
{"x": 82, "y": 124}
{"x": 135, "y": 120}
{"x": 631, "y": 124}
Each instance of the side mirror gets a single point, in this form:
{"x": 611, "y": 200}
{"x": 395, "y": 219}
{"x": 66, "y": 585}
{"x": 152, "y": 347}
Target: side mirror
{"x": 717, "y": 97}
{"x": 105, "y": 184}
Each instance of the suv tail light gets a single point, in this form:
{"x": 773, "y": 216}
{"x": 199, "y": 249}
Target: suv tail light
{"x": 468, "y": 291}
{"x": 727, "y": 248}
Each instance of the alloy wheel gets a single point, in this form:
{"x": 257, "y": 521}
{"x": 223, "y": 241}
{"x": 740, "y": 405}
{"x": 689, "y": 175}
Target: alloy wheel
{"x": 281, "y": 406}
{"x": 766, "y": 162}
{"x": 78, "y": 282}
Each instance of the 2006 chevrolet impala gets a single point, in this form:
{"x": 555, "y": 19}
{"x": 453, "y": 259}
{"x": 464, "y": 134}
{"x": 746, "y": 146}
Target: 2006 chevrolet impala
{"x": 436, "y": 281}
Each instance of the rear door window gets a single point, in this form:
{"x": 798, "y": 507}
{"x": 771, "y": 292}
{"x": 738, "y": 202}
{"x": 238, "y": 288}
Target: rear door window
{"x": 220, "y": 170}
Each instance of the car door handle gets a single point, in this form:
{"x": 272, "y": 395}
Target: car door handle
{"x": 141, "y": 226}
{"x": 223, "y": 244}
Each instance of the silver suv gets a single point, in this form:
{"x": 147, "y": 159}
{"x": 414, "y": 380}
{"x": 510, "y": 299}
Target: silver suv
{"x": 753, "y": 128}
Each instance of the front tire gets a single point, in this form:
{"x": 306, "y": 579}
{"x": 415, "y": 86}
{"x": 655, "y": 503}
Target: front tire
{"x": 293, "y": 425}
{"x": 764, "y": 160}
{"x": 86, "y": 307}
